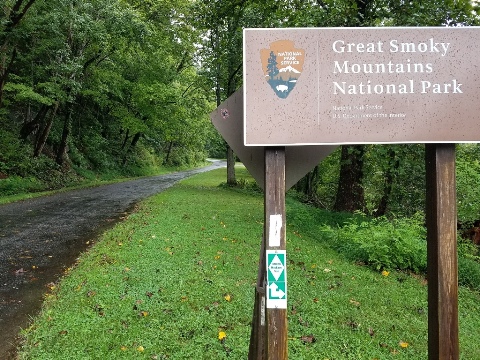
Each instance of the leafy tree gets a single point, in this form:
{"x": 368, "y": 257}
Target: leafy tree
{"x": 91, "y": 80}
{"x": 12, "y": 14}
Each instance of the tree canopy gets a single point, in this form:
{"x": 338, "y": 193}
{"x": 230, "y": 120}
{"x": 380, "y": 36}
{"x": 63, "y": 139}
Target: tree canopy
{"x": 121, "y": 85}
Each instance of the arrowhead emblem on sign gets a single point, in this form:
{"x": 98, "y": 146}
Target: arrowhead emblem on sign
{"x": 282, "y": 66}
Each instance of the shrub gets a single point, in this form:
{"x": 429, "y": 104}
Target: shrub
{"x": 383, "y": 243}
{"x": 17, "y": 185}
{"x": 469, "y": 273}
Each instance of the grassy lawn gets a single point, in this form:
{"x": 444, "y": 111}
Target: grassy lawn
{"x": 164, "y": 283}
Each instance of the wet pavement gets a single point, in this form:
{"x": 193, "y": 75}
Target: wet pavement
{"x": 40, "y": 238}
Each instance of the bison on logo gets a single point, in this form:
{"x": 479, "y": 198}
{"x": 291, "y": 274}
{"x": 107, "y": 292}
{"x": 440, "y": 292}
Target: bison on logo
{"x": 282, "y": 65}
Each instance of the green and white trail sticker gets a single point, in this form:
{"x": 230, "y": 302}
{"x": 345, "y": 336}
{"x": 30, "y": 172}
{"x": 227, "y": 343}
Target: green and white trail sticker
{"x": 276, "y": 279}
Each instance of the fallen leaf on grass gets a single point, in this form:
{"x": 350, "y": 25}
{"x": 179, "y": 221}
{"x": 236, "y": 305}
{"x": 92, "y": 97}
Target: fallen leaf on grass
{"x": 308, "y": 339}
{"x": 228, "y": 297}
{"x": 302, "y": 322}
{"x": 353, "y": 325}
{"x": 385, "y": 273}
{"x": 354, "y": 302}
{"x": 403, "y": 344}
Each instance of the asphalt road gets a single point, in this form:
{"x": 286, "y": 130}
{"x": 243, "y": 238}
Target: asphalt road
{"x": 40, "y": 238}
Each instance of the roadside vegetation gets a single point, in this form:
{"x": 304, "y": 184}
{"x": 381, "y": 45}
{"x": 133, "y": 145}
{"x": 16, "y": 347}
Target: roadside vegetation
{"x": 176, "y": 281}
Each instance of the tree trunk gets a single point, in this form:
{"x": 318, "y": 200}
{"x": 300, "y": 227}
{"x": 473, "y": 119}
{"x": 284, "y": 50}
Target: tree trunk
{"x": 170, "y": 145}
{"x": 32, "y": 126}
{"x": 308, "y": 184}
{"x": 231, "y": 179}
{"x": 134, "y": 142}
{"x": 393, "y": 164}
{"x": 350, "y": 194}
{"x": 127, "y": 134}
{"x": 42, "y": 138}
{"x": 67, "y": 125}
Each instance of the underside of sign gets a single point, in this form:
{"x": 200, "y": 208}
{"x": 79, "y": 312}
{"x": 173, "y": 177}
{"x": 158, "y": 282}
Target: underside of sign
{"x": 311, "y": 86}
{"x": 299, "y": 160}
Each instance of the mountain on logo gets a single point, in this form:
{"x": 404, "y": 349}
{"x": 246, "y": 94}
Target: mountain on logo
{"x": 282, "y": 80}
{"x": 289, "y": 69}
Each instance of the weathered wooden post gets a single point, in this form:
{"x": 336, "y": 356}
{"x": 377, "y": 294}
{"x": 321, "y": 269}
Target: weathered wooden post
{"x": 274, "y": 234}
{"x": 441, "y": 217}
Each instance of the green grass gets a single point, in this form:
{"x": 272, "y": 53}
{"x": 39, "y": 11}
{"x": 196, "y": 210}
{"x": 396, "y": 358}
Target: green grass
{"x": 16, "y": 188}
{"x": 156, "y": 286}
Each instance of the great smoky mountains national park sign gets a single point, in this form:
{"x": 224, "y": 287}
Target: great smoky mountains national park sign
{"x": 311, "y": 86}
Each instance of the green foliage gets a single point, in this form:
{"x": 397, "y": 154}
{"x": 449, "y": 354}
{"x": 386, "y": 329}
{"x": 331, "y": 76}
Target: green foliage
{"x": 382, "y": 243}
{"x": 467, "y": 179}
{"x": 469, "y": 273}
{"x": 112, "y": 70}
{"x": 19, "y": 185}
{"x": 406, "y": 165}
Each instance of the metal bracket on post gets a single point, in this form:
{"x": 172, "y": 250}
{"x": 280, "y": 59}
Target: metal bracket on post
{"x": 441, "y": 218}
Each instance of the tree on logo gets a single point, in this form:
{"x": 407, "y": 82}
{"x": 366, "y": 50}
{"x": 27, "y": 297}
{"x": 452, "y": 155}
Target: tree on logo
{"x": 272, "y": 65}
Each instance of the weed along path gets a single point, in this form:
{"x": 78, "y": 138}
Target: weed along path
{"x": 41, "y": 237}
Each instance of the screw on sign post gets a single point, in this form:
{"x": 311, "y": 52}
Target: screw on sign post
{"x": 441, "y": 220}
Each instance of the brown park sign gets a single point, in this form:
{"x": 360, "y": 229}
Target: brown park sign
{"x": 311, "y": 86}
{"x": 228, "y": 120}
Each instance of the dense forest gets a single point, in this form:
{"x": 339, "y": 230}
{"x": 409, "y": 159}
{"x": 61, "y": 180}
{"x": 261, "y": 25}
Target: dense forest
{"x": 123, "y": 87}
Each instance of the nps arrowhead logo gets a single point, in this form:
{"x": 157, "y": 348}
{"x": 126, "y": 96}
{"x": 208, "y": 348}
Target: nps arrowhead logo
{"x": 282, "y": 65}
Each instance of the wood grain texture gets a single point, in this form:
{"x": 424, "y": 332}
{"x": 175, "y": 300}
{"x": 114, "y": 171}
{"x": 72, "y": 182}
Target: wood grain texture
{"x": 441, "y": 217}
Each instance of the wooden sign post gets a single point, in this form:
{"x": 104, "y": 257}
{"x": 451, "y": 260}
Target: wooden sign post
{"x": 274, "y": 237}
{"x": 441, "y": 217}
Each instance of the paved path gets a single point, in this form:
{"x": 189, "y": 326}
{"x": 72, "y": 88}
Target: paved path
{"x": 41, "y": 237}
